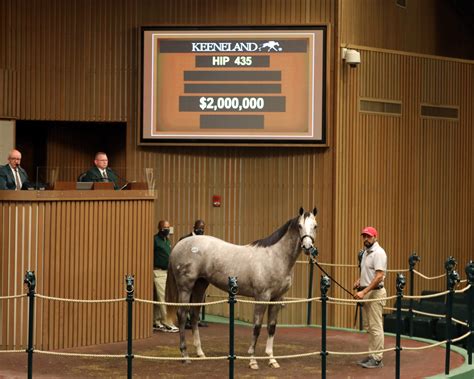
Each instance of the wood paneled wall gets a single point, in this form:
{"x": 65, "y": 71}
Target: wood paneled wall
{"x": 424, "y": 26}
{"x": 410, "y": 177}
{"x": 80, "y": 247}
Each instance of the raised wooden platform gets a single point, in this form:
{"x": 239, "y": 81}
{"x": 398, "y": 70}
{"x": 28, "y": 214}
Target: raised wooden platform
{"x": 80, "y": 244}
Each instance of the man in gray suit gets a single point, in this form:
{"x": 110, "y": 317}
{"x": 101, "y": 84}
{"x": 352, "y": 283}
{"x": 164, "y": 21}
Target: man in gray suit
{"x": 12, "y": 176}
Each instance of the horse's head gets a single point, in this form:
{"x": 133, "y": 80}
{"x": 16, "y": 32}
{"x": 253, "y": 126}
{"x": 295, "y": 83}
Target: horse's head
{"x": 307, "y": 225}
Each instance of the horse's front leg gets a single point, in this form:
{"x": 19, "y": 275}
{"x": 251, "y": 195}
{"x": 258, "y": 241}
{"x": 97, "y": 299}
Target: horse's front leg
{"x": 257, "y": 326}
{"x": 273, "y": 310}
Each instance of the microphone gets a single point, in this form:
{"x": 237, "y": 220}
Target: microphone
{"x": 126, "y": 184}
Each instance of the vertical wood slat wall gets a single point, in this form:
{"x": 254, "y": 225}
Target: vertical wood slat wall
{"x": 95, "y": 78}
{"x": 409, "y": 176}
{"x": 78, "y": 250}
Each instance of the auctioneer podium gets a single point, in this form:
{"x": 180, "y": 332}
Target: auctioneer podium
{"x": 80, "y": 244}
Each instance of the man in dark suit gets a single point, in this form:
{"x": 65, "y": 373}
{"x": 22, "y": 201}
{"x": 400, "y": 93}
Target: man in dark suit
{"x": 12, "y": 176}
{"x": 101, "y": 172}
{"x": 198, "y": 229}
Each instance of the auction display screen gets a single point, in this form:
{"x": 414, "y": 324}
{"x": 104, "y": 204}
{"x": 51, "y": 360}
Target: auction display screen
{"x": 233, "y": 86}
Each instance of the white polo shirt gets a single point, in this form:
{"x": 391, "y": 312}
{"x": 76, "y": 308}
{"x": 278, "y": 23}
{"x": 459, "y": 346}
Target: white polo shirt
{"x": 373, "y": 259}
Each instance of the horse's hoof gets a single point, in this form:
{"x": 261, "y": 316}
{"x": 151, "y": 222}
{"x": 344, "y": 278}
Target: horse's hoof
{"x": 202, "y": 355}
{"x": 253, "y": 365}
{"x": 186, "y": 361}
{"x": 273, "y": 364}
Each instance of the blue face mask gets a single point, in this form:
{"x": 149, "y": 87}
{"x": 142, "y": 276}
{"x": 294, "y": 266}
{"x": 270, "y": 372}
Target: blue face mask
{"x": 199, "y": 232}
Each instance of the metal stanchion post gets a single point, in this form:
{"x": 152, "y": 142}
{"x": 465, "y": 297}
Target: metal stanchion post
{"x": 452, "y": 280}
{"x": 313, "y": 253}
{"x": 470, "y": 279}
{"x": 129, "y": 282}
{"x": 233, "y": 290}
{"x": 412, "y": 262}
{"x": 310, "y": 292}
{"x": 400, "y": 286}
{"x": 325, "y": 284}
{"x": 30, "y": 282}
{"x": 203, "y": 312}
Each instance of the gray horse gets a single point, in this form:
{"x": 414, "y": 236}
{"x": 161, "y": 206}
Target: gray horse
{"x": 264, "y": 270}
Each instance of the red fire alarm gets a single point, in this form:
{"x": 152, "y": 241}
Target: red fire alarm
{"x": 216, "y": 200}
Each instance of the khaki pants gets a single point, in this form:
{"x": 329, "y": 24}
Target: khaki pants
{"x": 373, "y": 321}
{"x": 159, "y": 311}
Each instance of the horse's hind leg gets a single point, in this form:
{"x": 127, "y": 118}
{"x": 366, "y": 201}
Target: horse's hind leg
{"x": 197, "y": 297}
{"x": 271, "y": 327}
{"x": 181, "y": 313}
{"x": 257, "y": 326}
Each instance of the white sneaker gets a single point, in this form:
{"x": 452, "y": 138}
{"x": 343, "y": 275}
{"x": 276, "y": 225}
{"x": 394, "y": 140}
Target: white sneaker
{"x": 160, "y": 327}
{"x": 171, "y": 328}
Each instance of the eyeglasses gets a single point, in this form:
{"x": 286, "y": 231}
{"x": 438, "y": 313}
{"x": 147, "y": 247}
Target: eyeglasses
{"x": 102, "y": 160}
{"x": 14, "y": 159}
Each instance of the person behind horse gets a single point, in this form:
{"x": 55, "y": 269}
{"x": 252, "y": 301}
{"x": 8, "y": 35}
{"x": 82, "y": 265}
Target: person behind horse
{"x": 161, "y": 254}
{"x": 12, "y": 176}
{"x": 198, "y": 230}
{"x": 101, "y": 172}
{"x": 370, "y": 286}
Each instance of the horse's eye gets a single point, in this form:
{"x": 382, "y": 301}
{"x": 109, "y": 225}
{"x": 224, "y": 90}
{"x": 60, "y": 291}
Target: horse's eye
{"x": 300, "y": 226}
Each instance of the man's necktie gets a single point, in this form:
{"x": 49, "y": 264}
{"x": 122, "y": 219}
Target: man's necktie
{"x": 104, "y": 174}
{"x": 17, "y": 179}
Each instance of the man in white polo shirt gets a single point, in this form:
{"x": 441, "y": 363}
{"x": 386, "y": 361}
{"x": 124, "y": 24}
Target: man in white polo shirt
{"x": 370, "y": 286}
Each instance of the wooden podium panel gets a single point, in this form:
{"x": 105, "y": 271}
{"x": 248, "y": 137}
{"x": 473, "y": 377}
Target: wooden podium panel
{"x": 103, "y": 186}
{"x": 64, "y": 186}
{"x": 80, "y": 244}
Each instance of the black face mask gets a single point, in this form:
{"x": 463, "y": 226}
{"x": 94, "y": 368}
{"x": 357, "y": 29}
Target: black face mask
{"x": 164, "y": 232}
{"x": 199, "y": 232}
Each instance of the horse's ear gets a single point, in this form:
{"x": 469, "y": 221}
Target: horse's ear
{"x": 315, "y": 211}
{"x": 301, "y": 211}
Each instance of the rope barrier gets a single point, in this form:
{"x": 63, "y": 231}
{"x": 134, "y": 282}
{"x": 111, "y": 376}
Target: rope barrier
{"x": 427, "y": 277}
{"x": 394, "y": 309}
{"x": 80, "y": 354}
{"x": 461, "y": 337}
{"x": 148, "y": 357}
{"x": 244, "y": 357}
{"x": 399, "y": 270}
{"x": 360, "y": 352}
{"x": 425, "y": 346}
{"x": 464, "y": 289}
{"x": 279, "y": 302}
{"x": 12, "y": 296}
{"x": 426, "y": 296}
{"x": 428, "y": 314}
{"x": 78, "y": 300}
{"x": 180, "y": 304}
{"x": 330, "y": 300}
{"x": 362, "y": 300}
{"x": 12, "y": 351}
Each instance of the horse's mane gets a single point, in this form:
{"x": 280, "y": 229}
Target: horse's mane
{"x": 277, "y": 234}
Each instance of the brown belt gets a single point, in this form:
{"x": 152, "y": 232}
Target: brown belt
{"x": 376, "y": 288}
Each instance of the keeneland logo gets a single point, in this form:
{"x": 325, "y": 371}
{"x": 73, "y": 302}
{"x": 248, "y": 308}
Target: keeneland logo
{"x": 235, "y": 46}
{"x": 272, "y": 46}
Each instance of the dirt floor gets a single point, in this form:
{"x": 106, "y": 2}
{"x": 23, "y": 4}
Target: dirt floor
{"x": 288, "y": 341}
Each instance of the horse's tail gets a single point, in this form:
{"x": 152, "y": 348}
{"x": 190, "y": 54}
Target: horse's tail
{"x": 171, "y": 295}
